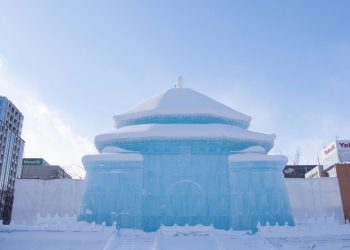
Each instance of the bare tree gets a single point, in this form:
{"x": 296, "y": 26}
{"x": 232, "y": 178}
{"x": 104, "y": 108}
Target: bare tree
{"x": 296, "y": 159}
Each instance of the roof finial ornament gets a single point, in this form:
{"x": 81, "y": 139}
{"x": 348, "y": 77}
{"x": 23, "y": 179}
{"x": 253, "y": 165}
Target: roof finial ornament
{"x": 179, "y": 81}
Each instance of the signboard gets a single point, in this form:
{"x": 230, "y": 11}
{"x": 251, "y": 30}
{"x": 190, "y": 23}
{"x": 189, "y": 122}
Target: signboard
{"x": 329, "y": 149}
{"x": 296, "y": 171}
{"x": 32, "y": 161}
{"x": 344, "y": 144}
{"x": 337, "y": 152}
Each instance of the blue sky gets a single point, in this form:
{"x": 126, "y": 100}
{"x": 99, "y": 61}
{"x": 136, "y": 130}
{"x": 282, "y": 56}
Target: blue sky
{"x": 285, "y": 63}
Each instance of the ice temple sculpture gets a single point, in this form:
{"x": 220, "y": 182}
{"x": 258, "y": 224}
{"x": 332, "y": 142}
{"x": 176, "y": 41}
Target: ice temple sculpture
{"x": 181, "y": 158}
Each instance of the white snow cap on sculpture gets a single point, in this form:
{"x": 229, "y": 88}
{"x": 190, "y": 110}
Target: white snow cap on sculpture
{"x": 114, "y": 149}
{"x": 252, "y": 150}
{"x": 257, "y": 157}
{"x": 119, "y": 157}
{"x": 183, "y": 131}
{"x": 196, "y": 131}
{"x": 180, "y": 102}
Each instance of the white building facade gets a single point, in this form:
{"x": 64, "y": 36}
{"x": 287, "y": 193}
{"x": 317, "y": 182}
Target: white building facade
{"x": 337, "y": 152}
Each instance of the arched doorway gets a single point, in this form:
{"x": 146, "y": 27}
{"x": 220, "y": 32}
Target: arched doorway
{"x": 186, "y": 203}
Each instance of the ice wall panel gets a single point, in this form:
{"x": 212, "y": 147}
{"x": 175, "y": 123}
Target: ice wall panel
{"x": 46, "y": 198}
{"x": 29, "y": 200}
{"x": 113, "y": 193}
{"x": 319, "y": 197}
{"x": 258, "y": 195}
{"x": 185, "y": 189}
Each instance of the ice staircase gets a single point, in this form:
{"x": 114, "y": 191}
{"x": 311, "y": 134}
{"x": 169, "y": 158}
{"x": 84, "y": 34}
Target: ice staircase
{"x": 208, "y": 238}
{"x": 241, "y": 241}
{"x": 131, "y": 240}
{"x": 186, "y": 238}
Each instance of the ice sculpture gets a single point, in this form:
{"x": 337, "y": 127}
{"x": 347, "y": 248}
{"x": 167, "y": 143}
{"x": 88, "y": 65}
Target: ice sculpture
{"x": 181, "y": 157}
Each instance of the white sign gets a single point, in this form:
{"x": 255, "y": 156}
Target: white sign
{"x": 343, "y": 145}
{"x": 337, "y": 152}
{"x": 327, "y": 150}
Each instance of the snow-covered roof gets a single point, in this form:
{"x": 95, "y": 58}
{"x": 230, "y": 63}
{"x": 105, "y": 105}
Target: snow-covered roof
{"x": 181, "y": 102}
{"x": 182, "y": 131}
{"x": 257, "y": 157}
{"x": 122, "y": 157}
{"x": 114, "y": 149}
{"x": 252, "y": 149}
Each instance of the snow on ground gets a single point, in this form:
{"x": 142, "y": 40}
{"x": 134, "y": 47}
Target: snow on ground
{"x": 64, "y": 233}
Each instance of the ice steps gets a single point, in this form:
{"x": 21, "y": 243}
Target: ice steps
{"x": 186, "y": 238}
{"x": 129, "y": 240}
{"x": 243, "y": 243}
{"x": 134, "y": 243}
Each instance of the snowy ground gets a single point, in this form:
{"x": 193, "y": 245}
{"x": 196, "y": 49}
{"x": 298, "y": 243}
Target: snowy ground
{"x": 66, "y": 234}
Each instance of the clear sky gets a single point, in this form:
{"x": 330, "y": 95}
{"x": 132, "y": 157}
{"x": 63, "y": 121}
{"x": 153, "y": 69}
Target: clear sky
{"x": 71, "y": 65}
